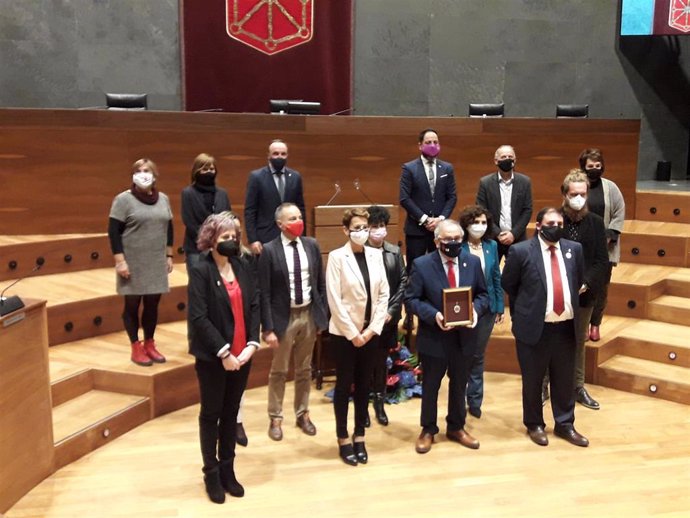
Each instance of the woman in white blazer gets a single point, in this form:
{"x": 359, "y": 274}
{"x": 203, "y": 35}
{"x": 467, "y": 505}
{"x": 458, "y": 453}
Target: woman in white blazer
{"x": 357, "y": 290}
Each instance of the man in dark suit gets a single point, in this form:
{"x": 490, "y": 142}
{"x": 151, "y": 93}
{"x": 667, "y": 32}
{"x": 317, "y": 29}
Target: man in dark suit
{"x": 543, "y": 278}
{"x": 427, "y": 192}
{"x": 267, "y": 188}
{"x": 293, "y": 311}
{"x": 507, "y": 195}
{"x": 444, "y": 349}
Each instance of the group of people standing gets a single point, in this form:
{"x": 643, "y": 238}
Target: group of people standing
{"x": 277, "y": 290}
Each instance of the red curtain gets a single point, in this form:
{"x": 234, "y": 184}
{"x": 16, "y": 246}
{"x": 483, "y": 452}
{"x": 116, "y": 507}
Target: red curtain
{"x": 223, "y": 73}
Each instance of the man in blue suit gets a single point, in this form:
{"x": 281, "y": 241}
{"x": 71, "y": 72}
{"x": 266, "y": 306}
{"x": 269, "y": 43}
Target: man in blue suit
{"x": 267, "y": 188}
{"x": 543, "y": 277}
{"x": 427, "y": 192}
{"x": 444, "y": 349}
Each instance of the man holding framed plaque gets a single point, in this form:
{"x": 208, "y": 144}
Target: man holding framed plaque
{"x": 447, "y": 292}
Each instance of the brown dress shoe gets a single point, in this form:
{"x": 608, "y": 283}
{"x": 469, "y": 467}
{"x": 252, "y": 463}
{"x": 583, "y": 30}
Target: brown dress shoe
{"x": 305, "y": 424}
{"x": 275, "y": 432}
{"x": 463, "y": 438}
{"x": 424, "y": 442}
{"x": 570, "y": 435}
{"x": 538, "y": 435}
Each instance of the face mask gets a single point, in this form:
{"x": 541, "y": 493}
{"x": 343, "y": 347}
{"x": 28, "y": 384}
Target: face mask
{"x": 359, "y": 237}
{"x": 278, "y": 163}
{"x": 451, "y": 248}
{"x": 295, "y": 227}
{"x": 506, "y": 164}
{"x": 577, "y": 202}
{"x": 206, "y": 179}
{"x": 143, "y": 180}
{"x": 477, "y": 230}
{"x": 378, "y": 234}
{"x": 431, "y": 150}
{"x": 229, "y": 248}
{"x": 551, "y": 234}
{"x": 594, "y": 174}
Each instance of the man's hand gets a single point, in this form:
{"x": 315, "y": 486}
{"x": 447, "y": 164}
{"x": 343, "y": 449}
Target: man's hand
{"x": 441, "y": 322}
{"x": 246, "y": 354}
{"x": 231, "y": 363}
{"x": 506, "y": 238}
{"x": 271, "y": 339}
{"x": 500, "y": 318}
{"x": 256, "y": 247}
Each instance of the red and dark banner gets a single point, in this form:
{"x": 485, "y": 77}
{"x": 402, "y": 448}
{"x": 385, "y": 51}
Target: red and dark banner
{"x": 671, "y": 17}
{"x": 239, "y": 54}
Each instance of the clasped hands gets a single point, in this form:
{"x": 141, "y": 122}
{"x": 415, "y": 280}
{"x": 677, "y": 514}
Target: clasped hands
{"x": 235, "y": 363}
{"x": 441, "y": 322}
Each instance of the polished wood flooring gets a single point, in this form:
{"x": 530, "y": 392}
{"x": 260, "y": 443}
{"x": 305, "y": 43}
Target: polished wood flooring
{"x": 638, "y": 464}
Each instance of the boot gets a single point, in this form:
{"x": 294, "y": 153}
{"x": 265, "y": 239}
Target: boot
{"x": 379, "y": 409}
{"x": 152, "y": 352}
{"x": 139, "y": 356}
{"x": 228, "y": 480}
{"x": 214, "y": 489}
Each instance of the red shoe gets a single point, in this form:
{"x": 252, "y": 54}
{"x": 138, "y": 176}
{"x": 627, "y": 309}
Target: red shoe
{"x": 152, "y": 352}
{"x": 139, "y": 356}
{"x": 594, "y": 335}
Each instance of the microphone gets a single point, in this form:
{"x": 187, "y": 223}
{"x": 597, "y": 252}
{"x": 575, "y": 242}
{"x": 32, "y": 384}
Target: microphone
{"x": 358, "y": 187}
{"x": 337, "y": 191}
{"x": 13, "y": 303}
{"x": 350, "y": 109}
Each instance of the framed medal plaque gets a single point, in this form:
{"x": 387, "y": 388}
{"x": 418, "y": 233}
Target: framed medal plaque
{"x": 457, "y": 306}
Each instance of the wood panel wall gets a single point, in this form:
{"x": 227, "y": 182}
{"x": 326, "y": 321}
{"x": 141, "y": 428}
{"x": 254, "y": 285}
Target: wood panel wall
{"x": 60, "y": 169}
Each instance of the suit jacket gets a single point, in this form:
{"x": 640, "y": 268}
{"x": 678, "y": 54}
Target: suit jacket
{"x": 592, "y": 237}
{"x": 347, "y": 295}
{"x": 194, "y": 213}
{"x": 210, "y": 323}
{"x": 424, "y": 298}
{"x": 489, "y": 197}
{"x": 396, "y": 273}
{"x": 492, "y": 274}
{"x": 524, "y": 280}
{"x": 275, "y": 286}
{"x": 416, "y": 196}
{"x": 263, "y": 199}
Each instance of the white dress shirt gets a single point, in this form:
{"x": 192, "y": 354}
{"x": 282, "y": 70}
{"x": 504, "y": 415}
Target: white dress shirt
{"x": 506, "y": 188}
{"x": 304, "y": 265}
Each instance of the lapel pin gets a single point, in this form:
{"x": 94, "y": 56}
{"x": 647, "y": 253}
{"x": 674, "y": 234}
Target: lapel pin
{"x": 568, "y": 254}
{"x": 218, "y": 283}
{"x": 464, "y": 265}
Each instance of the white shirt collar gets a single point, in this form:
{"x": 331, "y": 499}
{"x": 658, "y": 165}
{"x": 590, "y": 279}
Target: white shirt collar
{"x": 286, "y": 241}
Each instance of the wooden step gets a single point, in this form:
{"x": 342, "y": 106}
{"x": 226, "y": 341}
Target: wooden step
{"x": 662, "y": 206}
{"x": 90, "y": 420}
{"x": 646, "y": 377}
{"x": 678, "y": 283}
{"x": 669, "y": 308}
{"x": 634, "y": 285}
{"x": 656, "y": 242}
{"x": 84, "y": 303}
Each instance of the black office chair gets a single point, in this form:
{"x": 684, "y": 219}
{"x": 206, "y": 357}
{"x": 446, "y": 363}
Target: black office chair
{"x": 126, "y": 101}
{"x": 572, "y": 111}
{"x": 487, "y": 110}
{"x": 295, "y": 107}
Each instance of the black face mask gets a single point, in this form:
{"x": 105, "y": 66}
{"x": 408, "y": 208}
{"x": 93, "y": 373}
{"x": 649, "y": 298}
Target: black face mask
{"x": 594, "y": 174}
{"x": 506, "y": 165}
{"x": 229, "y": 248}
{"x": 207, "y": 179}
{"x": 451, "y": 249}
{"x": 278, "y": 163}
{"x": 552, "y": 234}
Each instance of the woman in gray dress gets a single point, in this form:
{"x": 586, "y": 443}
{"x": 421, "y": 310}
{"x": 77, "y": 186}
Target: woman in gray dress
{"x": 141, "y": 238}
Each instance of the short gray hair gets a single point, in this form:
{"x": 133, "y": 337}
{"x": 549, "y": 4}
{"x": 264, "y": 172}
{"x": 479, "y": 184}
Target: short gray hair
{"x": 279, "y": 211}
{"x": 445, "y": 224}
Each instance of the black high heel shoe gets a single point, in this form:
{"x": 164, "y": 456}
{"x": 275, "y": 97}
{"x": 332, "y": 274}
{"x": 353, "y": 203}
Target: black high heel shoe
{"x": 360, "y": 451}
{"x": 347, "y": 453}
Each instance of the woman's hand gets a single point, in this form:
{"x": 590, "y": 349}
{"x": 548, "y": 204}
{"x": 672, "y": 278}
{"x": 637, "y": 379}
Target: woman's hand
{"x": 231, "y": 363}
{"x": 359, "y": 340}
{"x": 122, "y": 269}
{"x": 500, "y": 317}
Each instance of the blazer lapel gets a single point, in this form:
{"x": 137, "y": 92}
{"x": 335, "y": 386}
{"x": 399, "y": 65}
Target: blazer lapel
{"x": 272, "y": 187}
{"x": 352, "y": 264}
{"x": 282, "y": 261}
{"x": 422, "y": 170}
{"x": 440, "y": 270}
{"x": 535, "y": 252}
{"x": 569, "y": 261}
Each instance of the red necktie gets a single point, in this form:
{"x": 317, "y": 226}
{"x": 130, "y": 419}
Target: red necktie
{"x": 451, "y": 275}
{"x": 558, "y": 304}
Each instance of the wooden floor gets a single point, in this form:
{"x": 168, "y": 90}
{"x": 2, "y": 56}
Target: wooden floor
{"x": 638, "y": 464}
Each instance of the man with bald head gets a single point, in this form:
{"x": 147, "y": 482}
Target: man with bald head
{"x": 507, "y": 195}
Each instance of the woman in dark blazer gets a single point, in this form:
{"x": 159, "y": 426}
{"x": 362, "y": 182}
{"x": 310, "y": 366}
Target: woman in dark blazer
{"x": 223, "y": 326}
{"x": 477, "y": 223}
{"x": 199, "y": 200}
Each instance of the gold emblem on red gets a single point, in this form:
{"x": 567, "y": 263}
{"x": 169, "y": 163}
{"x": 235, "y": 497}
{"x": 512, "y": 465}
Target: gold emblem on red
{"x": 679, "y": 15}
{"x": 270, "y": 26}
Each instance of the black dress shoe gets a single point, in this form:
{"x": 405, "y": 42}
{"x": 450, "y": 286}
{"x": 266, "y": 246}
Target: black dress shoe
{"x": 361, "y": 452}
{"x": 241, "y": 435}
{"x": 583, "y": 397}
{"x": 475, "y": 411}
{"x": 380, "y": 410}
{"x": 538, "y": 435}
{"x": 570, "y": 435}
{"x": 347, "y": 453}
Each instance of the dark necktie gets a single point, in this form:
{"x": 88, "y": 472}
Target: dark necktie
{"x": 297, "y": 269}
{"x": 430, "y": 175}
{"x": 558, "y": 303}
{"x": 281, "y": 184}
{"x": 451, "y": 275}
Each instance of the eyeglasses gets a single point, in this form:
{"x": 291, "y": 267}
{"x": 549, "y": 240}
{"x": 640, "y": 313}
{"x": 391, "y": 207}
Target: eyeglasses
{"x": 359, "y": 228}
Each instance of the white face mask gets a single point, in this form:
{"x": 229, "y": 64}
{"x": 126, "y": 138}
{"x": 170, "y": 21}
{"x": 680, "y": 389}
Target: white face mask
{"x": 359, "y": 237}
{"x": 577, "y": 202}
{"x": 142, "y": 180}
{"x": 477, "y": 230}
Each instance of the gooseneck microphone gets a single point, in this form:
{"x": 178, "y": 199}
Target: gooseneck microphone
{"x": 13, "y": 303}
{"x": 358, "y": 187}
{"x": 337, "y": 191}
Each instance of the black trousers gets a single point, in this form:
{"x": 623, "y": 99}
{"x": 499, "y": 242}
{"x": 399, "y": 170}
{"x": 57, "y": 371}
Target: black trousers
{"x": 352, "y": 365}
{"x": 417, "y": 246}
{"x": 387, "y": 340}
{"x": 221, "y": 392}
{"x": 434, "y": 369}
{"x": 554, "y": 351}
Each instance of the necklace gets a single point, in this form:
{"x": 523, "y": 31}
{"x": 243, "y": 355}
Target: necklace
{"x": 476, "y": 247}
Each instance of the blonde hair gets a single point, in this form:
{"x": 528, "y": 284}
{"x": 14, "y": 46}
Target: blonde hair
{"x": 145, "y": 162}
{"x": 200, "y": 162}
{"x": 574, "y": 176}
